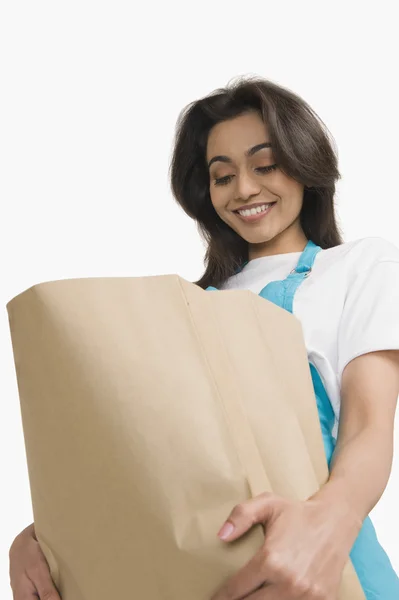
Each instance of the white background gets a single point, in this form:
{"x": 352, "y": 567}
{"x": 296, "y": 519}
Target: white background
{"x": 90, "y": 95}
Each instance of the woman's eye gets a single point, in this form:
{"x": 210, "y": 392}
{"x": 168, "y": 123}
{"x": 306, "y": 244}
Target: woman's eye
{"x": 266, "y": 169}
{"x": 227, "y": 178}
{"x": 223, "y": 180}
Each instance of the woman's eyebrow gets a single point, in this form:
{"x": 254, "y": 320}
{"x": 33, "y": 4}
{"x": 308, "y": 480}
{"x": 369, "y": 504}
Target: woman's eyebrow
{"x": 250, "y": 152}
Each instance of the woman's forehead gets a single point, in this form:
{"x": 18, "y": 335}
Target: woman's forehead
{"x": 237, "y": 136}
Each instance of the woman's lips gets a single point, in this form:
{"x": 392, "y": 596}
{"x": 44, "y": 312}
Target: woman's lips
{"x": 256, "y": 217}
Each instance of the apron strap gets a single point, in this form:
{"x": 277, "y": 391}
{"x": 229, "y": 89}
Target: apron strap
{"x": 306, "y": 260}
{"x": 283, "y": 292}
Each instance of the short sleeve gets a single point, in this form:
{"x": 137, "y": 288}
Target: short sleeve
{"x": 370, "y": 317}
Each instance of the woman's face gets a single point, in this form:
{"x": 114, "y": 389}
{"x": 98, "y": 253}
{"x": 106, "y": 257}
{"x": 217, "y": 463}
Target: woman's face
{"x": 248, "y": 191}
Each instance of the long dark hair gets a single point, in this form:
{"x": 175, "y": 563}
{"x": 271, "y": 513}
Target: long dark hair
{"x": 302, "y": 147}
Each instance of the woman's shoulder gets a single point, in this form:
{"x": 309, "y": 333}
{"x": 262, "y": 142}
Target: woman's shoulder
{"x": 361, "y": 253}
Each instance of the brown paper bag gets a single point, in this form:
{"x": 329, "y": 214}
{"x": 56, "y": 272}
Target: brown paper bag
{"x": 150, "y": 408}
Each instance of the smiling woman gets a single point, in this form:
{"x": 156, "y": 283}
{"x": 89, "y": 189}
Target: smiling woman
{"x": 252, "y": 145}
{"x": 255, "y": 167}
{"x": 246, "y": 187}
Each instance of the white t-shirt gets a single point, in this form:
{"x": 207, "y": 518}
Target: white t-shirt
{"x": 348, "y": 306}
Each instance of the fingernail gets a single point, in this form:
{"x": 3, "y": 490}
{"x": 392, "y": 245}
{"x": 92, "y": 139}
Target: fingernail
{"x": 226, "y": 531}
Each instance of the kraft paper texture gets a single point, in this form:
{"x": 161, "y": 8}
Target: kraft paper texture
{"x": 150, "y": 408}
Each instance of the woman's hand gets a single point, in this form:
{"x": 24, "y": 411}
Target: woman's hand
{"x": 30, "y": 577}
{"x": 306, "y": 547}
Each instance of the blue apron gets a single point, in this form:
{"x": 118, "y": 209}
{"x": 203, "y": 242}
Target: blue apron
{"x": 372, "y": 565}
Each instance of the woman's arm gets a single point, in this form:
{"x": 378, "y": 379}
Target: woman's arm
{"x": 307, "y": 544}
{"x": 362, "y": 459}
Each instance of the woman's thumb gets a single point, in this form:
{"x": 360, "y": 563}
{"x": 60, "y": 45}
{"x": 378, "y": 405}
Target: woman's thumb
{"x": 247, "y": 514}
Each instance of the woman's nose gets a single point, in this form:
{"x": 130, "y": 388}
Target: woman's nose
{"x": 247, "y": 185}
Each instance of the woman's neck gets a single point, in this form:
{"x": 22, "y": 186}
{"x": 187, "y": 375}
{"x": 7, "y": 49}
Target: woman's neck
{"x": 284, "y": 243}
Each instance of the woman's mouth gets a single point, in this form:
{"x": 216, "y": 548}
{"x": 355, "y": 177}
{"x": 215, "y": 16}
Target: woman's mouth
{"x": 254, "y": 213}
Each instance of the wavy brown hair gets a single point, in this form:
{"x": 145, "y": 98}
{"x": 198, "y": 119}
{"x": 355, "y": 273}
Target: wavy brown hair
{"x": 302, "y": 147}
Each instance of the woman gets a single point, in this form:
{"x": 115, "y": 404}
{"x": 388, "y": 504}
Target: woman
{"x": 254, "y": 166}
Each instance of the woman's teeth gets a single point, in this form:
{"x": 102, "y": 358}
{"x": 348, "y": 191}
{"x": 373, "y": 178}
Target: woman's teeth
{"x": 254, "y": 211}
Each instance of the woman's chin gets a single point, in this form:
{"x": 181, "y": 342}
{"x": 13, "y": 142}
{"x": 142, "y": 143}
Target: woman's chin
{"x": 254, "y": 233}
{"x": 256, "y": 238}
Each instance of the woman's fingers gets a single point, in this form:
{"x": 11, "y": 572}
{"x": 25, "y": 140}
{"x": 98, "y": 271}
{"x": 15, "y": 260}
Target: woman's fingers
{"x": 244, "y": 582}
{"x": 34, "y": 584}
{"x": 44, "y": 585}
{"x": 30, "y": 576}
{"x": 23, "y": 589}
